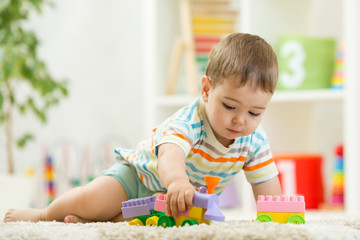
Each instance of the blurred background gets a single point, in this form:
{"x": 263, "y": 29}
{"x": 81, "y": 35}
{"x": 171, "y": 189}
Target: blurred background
{"x": 127, "y": 66}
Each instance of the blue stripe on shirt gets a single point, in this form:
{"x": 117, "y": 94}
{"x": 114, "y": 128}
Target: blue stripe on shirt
{"x": 212, "y": 173}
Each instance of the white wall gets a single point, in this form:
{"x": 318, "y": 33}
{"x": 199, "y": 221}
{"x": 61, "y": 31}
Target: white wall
{"x": 97, "y": 46}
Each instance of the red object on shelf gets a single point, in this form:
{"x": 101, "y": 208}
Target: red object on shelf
{"x": 207, "y": 39}
{"x": 339, "y": 150}
{"x": 301, "y": 174}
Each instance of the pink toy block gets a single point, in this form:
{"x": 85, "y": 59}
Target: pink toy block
{"x": 280, "y": 204}
{"x": 160, "y": 205}
{"x": 201, "y": 200}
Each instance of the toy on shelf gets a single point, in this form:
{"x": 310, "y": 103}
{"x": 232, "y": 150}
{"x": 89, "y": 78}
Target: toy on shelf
{"x": 49, "y": 173}
{"x": 337, "y": 81}
{"x": 301, "y": 174}
{"x": 337, "y": 198}
{"x": 203, "y": 24}
{"x": 336, "y": 201}
{"x": 281, "y": 209}
{"x": 211, "y": 21}
{"x": 150, "y": 211}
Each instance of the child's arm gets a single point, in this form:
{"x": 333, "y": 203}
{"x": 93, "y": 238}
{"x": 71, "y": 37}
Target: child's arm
{"x": 172, "y": 173}
{"x": 270, "y": 187}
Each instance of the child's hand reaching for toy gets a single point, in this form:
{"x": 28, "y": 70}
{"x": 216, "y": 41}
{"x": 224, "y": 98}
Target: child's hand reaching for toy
{"x": 173, "y": 175}
{"x": 179, "y": 197}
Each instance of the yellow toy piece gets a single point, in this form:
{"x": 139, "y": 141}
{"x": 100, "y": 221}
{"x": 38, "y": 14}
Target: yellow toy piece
{"x": 152, "y": 221}
{"x": 296, "y": 218}
{"x": 136, "y": 221}
{"x": 195, "y": 214}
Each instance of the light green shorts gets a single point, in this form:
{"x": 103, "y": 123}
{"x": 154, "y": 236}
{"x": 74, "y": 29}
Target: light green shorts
{"x": 127, "y": 176}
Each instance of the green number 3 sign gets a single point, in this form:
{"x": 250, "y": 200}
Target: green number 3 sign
{"x": 295, "y": 53}
{"x": 305, "y": 62}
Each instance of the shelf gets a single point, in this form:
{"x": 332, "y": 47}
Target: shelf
{"x": 297, "y": 17}
{"x": 179, "y": 100}
{"x": 308, "y": 95}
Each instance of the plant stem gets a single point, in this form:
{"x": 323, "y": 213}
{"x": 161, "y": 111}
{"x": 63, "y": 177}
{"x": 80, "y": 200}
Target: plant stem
{"x": 8, "y": 129}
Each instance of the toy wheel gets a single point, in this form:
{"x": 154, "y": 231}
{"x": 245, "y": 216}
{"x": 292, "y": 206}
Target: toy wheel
{"x": 264, "y": 218}
{"x": 152, "y": 221}
{"x": 136, "y": 221}
{"x": 296, "y": 219}
{"x": 166, "y": 221}
{"x": 190, "y": 222}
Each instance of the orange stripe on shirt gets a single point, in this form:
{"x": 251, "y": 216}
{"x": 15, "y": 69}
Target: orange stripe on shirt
{"x": 180, "y": 136}
{"x": 260, "y": 165}
{"x": 152, "y": 147}
{"x": 212, "y": 159}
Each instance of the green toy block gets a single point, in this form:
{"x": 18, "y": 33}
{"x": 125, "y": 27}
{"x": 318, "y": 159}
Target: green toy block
{"x": 305, "y": 62}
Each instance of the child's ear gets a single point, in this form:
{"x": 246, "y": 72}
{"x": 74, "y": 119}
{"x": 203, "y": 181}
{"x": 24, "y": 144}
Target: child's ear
{"x": 205, "y": 87}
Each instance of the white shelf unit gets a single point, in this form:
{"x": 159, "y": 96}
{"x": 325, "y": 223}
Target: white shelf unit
{"x": 298, "y": 121}
{"x": 179, "y": 100}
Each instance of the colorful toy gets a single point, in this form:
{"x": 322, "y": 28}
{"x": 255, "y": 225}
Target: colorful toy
{"x": 281, "y": 209}
{"x": 152, "y": 212}
{"x": 337, "y": 81}
{"x": 301, "y": 174}
{"x": 337, "y": 198}
{"x": 49, "y": 179}
{"x": 203, "y": 24}
{"x": 211, "y": 21}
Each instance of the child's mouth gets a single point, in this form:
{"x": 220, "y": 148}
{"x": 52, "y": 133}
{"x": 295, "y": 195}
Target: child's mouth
{"x": 233, "y": 131}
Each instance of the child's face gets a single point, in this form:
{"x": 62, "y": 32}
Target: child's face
{"x": 233, "y": 111}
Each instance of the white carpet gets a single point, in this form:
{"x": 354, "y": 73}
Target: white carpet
{"x": 345, "y": 228}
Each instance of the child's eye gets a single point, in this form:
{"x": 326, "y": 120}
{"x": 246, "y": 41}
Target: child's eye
{"x": 254, "y": 114}
{"x": 228, "y": 107}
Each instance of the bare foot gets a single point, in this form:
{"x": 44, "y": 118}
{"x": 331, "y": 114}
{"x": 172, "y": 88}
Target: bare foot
{"x": 26, "y": 214}
{"x": 75, "y": 219}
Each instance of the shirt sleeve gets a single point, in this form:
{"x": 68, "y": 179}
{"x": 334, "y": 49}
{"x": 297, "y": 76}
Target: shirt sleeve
{"x": 177, "y": 132}
{"x": 260, "y": 165}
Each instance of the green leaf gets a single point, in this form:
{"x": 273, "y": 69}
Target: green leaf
{"x": 21, "y": 143}
{"x": 40, "y": 114}
{"x": 4, "y": 4}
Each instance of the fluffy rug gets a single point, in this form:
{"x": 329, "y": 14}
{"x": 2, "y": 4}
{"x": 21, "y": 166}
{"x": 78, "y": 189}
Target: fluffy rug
{"x": 241, "y": 229}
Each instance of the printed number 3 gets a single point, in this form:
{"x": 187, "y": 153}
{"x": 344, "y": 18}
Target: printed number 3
{"x": 295, "y": 53}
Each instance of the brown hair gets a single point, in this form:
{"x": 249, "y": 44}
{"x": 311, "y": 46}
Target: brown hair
{"x": 244, "y": 58}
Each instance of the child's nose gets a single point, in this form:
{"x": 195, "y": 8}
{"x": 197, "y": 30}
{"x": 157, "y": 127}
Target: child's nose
{"x": 239, "y": 119}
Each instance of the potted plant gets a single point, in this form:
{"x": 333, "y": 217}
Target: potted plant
{"x": 20, "y": 67}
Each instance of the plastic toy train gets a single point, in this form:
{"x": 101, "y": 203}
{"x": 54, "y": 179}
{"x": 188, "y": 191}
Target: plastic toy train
{"x": 150, "y": 211}
{"x": 281, "y": 209}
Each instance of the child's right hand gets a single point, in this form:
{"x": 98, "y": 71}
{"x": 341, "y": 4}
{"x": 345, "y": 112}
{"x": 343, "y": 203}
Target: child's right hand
{"x": 179, "y": 197}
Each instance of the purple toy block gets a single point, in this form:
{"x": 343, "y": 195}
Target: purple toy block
{"x": 214, "y": 213}
{"x": 211, "y": 203}
{"x": 138, "y": 207}
{"x": 203, "y": 200}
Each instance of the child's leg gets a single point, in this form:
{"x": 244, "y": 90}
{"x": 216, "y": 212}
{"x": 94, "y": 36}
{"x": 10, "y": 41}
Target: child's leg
{"x": 99, "y": 200}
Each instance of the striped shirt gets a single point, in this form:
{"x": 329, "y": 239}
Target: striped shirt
{"x": 189, "y": 129}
